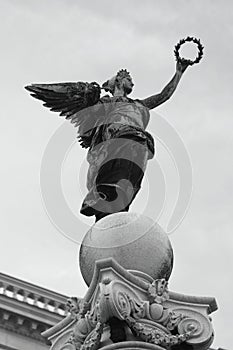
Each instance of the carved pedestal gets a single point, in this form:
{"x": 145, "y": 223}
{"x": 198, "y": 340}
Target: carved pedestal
{"x": 125, "y": 309}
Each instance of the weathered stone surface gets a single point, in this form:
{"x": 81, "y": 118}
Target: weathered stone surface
{"x": 149, "y": 316}
{"x": 133, "y": 240}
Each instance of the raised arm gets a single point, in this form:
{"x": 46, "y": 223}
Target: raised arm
{"x": 156, "y": 100}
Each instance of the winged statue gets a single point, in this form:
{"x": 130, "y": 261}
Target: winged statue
{"x": 113, "y": 129}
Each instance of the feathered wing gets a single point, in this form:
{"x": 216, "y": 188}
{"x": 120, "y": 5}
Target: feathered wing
{"x": 70, "y": 100}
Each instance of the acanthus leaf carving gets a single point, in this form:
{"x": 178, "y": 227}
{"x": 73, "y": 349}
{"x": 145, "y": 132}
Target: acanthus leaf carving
{"x": 92, "y": 342}
{"x": 149, "y": 319}
{"x": 87, "y": 321}
{"x": 155, "y": 312}
{"x": 77, "y": 307}
{"x": 170, "y": 319}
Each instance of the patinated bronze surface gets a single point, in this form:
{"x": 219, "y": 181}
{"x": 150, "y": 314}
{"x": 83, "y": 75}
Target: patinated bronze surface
{"x": 113, "y": 128}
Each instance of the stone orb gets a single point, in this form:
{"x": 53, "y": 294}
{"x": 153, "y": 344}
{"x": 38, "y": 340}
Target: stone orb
{"x": 135, "y": 241}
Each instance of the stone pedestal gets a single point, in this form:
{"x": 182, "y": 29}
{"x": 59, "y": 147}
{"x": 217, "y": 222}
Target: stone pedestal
{"x": 124, "y": 307}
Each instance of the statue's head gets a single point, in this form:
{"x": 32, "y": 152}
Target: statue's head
{"x": 122, "y": 81}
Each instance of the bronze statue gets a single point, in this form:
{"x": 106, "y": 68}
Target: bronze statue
{"x": 114, "y": 130}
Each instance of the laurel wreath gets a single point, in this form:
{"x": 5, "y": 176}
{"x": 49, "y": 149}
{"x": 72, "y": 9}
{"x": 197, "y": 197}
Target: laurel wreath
{"x": 183, "y": 41}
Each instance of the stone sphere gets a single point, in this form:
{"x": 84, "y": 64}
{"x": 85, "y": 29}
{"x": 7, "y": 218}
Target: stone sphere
{"x": 135, "y": 241}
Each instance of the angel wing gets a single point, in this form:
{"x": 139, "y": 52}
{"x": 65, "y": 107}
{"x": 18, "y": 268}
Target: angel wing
{"x": 69, "y": 99}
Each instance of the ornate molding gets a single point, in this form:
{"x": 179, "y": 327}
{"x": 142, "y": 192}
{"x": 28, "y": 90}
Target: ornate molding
{"x": 22, "y": 325}
{"x": 120, "y": 306}
{"x": 88, "y": 329}
{"x": 27, "y": 309}
{"x": 152, "y": 334}
{"x": 30, "y": 294}
{"x": 158, "y": 291}
{"x": 200, "y": 325}
{"x": 118, "y": 300}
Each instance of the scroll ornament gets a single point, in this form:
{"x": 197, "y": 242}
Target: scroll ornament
{"x": 150, "y": 320}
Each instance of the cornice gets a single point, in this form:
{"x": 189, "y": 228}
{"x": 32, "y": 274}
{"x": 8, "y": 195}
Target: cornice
{"x": 27, "y": 309}
{"x": 18, "y": 291}
{"x": 31, "y": 311}
{"x": 22, "y": 325}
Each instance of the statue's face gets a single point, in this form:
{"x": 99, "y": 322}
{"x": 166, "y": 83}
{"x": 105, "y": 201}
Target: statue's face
{"x": 127, "y": 84}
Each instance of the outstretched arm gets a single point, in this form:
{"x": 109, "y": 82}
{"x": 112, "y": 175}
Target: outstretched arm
{"x": 156, "y": 100}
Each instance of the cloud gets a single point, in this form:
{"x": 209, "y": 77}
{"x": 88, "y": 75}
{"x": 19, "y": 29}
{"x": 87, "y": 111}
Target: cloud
{"x": 75, "y": 40}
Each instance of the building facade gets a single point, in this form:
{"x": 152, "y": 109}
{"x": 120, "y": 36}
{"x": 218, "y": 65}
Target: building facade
{"x": 27, "y": 310}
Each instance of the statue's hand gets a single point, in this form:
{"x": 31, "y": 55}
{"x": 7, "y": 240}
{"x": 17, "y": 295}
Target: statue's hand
{"x": 182, "y": 65}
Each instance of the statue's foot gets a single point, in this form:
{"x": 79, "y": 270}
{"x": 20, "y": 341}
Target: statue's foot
{"x": 87, "y": 209}
{"x": 107, "y": 200}
{"x": 99, "y": 216}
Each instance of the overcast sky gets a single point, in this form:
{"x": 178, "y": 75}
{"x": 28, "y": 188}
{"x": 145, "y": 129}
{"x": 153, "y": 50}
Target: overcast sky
{"x": 52, "y": 41}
